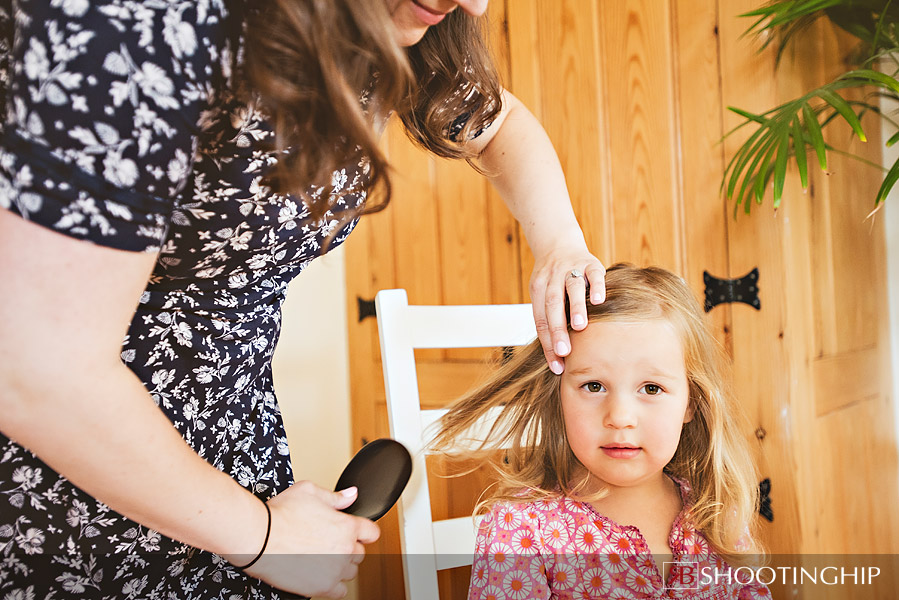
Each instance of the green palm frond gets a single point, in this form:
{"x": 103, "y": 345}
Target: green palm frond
{"x": 780, "y": 21}
{"x": 873, "y": 22}
{"x": 794, "y": 129}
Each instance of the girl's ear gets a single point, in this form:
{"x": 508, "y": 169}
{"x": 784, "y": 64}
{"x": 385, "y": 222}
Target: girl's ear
{"x": 690, "y": 412}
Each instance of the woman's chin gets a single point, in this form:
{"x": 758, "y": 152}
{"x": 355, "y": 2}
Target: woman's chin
{"x": 409, "y": 37}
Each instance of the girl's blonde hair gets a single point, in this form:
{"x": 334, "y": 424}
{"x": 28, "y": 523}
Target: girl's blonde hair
{"x": 537, "y": 461}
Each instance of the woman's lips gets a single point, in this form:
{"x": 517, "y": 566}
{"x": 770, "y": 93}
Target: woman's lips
{"x": 620, "y": 451}
{"x": 425, "y": 15}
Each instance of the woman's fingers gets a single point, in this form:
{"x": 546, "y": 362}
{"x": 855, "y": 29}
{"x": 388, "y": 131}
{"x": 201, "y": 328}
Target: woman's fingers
{"x": 342, "y": 498}
{"x": 553, "y": 281}
{"x": 576, "y": 288}
{"x": 538, "y": 290}
{"x": 368, "y": 532}
{"x": 596, "y": 277}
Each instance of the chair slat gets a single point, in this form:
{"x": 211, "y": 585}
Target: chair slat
{"x": 454, "y": 541}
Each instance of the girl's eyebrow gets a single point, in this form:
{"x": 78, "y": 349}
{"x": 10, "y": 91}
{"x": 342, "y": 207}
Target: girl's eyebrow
{"x": 580, "y": 371}
{"x": 651, "y": 374}
{"x": 662, "y": 374}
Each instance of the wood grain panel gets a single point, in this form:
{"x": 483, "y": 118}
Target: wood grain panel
{"x": 415, "y": 217}
{"x": 416, "y": 220}
{"x": 848, "y": 510}
{"x": 843, "y": 231}
{"x": 844, "y": 379}
{"x": 698, "y": 111}
{"x": 524, "y": 81}
{"x": 507, "y": 278}
{"x": 856, "y": 267}
{"x": 848, "y": 507}
{"x": 760, "y": 348}
{"x": 439, "y": 383}
{"x": 637, "y": 59}
{"x": 508, "y": 281}
{"x": 369, "y": 268}
{"x": 464, "y": 239}
{"x": 572, "y": 107}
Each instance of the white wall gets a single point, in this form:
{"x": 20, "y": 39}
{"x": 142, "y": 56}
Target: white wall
{"x": 311, "y": 371}
{"x": 891, "y": 215}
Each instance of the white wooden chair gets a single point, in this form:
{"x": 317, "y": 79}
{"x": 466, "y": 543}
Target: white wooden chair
{"x": 429, "y": 546}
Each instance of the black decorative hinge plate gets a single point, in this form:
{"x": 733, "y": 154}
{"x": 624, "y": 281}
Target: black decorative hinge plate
{"x": 744, "y": 289}
{"x": 366, "y": 308}
{"x": 765, "y": 499}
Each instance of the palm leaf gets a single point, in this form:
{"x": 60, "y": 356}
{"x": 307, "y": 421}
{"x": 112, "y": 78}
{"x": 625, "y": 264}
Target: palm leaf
{"x": 814, "y": 132}
{"x": 752, "y": 148}
{"x": 780, "y": 167}
{"x": 888, "y": 182}
{"x": 800, "y": 151}
{"x": 765, "y": 171}
{"x": 750, "y": 177}
{"x": 793, "y": 129}
{"x": 844, "y": 109}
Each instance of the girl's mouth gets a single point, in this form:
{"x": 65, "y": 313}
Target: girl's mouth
{"x": 621, "y": 450}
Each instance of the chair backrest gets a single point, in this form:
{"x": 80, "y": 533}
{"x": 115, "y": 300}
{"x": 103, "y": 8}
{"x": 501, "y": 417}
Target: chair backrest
{"x": 429, "y": 546}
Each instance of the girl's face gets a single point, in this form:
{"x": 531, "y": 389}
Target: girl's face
{"x": 413, "y": 17}
{"x": 625, "y": 398}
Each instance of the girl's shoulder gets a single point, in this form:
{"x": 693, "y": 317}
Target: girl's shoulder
{"x": 527, "y": 503}
{"x": 539, "y": 511}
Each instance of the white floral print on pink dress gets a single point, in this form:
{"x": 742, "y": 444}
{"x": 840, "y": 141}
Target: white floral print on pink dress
{"x": 560, "y": 548}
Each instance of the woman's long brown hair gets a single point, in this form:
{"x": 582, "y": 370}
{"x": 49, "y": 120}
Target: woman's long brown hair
{"x": 328, "y": 72}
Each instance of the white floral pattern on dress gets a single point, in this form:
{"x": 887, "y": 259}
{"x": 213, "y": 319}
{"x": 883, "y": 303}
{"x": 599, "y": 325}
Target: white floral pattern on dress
{"x": 563, "y": 549}
{"x": 120, "y": 129}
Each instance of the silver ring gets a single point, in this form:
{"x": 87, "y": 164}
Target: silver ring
{"x": 574, "y": 274}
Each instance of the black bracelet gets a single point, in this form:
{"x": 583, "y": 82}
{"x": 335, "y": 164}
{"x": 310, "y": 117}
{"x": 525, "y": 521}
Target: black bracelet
{"x": 268, "y": 530}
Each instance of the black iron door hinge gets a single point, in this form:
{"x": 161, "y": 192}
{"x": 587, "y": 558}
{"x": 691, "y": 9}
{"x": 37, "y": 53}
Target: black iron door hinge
{"x": 744, "y": 289}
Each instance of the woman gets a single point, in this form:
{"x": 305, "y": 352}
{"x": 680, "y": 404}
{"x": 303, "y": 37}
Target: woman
{"x": 209, "y": 150}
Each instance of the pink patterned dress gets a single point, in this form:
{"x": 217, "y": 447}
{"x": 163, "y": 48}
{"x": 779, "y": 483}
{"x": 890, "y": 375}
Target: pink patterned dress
{"x": 560, "y": 548}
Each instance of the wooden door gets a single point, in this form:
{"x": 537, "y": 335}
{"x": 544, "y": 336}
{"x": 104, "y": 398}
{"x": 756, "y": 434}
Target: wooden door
{"x": 812, "y": 366}
{"x": 633, "y": 94}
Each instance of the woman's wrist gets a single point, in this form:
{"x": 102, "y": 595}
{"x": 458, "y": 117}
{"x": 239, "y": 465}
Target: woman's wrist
{"x": 268, "y": 531}
{"x": 247, "y": 542}
{"x": 546, "y": 242}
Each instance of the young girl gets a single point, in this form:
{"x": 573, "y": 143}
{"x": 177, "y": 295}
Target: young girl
{"x": 624, "y": 477}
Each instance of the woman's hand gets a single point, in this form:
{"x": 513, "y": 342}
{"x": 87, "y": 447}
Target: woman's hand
{"x": 560, "y": 272}
{"x": 313, "y": 548}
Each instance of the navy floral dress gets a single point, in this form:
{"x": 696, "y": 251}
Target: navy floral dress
{"x": 119, "y": 128}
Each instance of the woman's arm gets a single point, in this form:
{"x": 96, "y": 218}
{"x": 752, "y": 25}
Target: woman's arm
{"x": 67, "y": 396}
{"x": 522, "y": 164}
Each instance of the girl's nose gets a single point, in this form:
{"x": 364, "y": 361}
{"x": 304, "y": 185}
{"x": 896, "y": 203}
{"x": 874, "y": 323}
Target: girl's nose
{"x": 619, "y": 413}
{"x": 475, "y": 8}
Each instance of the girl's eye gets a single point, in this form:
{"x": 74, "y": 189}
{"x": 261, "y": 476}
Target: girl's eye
{"x": 593, "y": 387}
{"x": 652, "y": 389}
